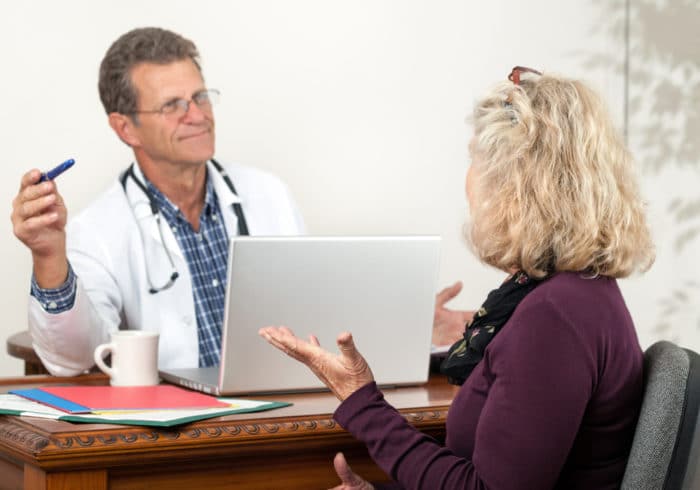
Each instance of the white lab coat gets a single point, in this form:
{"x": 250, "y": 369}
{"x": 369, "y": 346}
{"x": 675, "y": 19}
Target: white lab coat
{"x": 109, "y": 256}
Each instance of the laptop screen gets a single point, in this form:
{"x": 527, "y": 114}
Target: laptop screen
{"x": 382, "y": 289}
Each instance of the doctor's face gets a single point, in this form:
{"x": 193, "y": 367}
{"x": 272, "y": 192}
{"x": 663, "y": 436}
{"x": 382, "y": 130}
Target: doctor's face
{"x": 172, "y": 138}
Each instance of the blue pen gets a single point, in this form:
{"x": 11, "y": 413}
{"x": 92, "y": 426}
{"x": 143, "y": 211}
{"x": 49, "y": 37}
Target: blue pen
{"x": 55, "y": 172}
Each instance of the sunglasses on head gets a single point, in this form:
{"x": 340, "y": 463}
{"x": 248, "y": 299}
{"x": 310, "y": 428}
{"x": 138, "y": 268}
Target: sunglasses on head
{"x": 519, "y": 70}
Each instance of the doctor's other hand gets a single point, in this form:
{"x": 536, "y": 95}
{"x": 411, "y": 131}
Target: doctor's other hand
{"x": 349, "y": 480}
{"x": 342, "y": 373}
{"x": 449, "y": 325}
{"x": 39, "y": 221}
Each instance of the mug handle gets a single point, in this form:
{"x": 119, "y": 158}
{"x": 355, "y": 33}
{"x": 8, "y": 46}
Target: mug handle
{"x": 99, "y": 354}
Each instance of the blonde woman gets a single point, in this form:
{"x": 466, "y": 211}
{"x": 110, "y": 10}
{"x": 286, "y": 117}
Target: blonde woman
{"x": 550, "y": 366}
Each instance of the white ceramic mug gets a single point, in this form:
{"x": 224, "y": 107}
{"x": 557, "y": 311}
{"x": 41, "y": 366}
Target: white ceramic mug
{"x": 134, "y": 358}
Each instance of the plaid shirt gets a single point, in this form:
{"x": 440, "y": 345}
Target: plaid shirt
{"x": 206, "y": 253}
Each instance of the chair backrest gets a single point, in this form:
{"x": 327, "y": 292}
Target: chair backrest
{"x": 665, "y": 449}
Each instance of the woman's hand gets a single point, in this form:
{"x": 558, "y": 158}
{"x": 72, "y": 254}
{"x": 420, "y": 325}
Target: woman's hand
{"x": 449, "y": 325}
{"x": 348, "y": 478}
{"x": 343, "y": 373}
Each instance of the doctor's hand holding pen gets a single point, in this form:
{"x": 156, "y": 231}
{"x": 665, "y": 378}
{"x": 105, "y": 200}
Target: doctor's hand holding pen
{"x": 39, "y": 221}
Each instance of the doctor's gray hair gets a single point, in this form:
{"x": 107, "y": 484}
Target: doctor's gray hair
{"x": 142, "y": 45}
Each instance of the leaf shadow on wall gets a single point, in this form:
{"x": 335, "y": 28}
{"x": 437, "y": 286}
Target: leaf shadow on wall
{"x": 663, "y": 115}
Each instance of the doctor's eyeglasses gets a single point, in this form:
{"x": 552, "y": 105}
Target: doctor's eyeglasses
{"x": 176, "y": 108}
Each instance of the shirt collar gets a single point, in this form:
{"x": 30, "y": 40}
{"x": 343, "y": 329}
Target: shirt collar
{"x": 170, "y": 210}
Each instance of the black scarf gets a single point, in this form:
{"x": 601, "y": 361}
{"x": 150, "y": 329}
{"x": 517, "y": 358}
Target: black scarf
{"x": 466, "y": 353}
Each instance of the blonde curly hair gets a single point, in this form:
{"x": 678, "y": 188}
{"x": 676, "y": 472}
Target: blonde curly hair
{"x": 555, "y": 189}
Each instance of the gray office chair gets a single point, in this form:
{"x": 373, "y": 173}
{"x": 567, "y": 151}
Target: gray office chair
{"x": 666, "y": 447}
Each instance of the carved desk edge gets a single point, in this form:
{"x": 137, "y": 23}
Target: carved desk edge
{"x": 24, "y": 442}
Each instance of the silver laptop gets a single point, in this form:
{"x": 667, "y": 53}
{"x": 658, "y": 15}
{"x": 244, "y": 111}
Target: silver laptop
{"x": 382, "y": 289}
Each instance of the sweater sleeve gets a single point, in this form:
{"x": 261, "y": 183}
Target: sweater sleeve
{"x": 541, "y": 379}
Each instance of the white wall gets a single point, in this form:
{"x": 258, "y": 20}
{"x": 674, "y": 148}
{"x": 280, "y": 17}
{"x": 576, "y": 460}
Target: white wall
{"x": 359, "y": 106}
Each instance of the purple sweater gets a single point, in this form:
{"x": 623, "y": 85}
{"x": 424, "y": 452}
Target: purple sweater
{"x": 553, "y": 404}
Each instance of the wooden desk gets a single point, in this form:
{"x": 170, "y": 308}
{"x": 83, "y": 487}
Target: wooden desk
{"x": 292, "y": 447}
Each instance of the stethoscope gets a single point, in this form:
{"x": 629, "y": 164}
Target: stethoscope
{"x": 242, "y": 225}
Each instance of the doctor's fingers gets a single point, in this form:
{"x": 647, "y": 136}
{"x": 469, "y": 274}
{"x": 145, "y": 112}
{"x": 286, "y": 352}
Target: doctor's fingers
{"x": 30, "y": 230}
{"x": 30, "y": 178}
{"x": 36, "y": 190}
{"x": 30, "y": 218}
{"x": 24, "y": 209}
{"x": 447, "y": 294}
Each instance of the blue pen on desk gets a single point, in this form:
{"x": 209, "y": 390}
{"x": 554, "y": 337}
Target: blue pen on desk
{"x": 55, "y": 172}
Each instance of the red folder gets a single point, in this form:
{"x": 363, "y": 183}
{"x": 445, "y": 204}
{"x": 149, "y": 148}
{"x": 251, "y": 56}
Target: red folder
{"x": 160, "y": 397}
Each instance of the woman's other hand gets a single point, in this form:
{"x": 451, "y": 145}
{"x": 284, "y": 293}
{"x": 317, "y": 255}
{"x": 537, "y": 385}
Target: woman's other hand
{"x": 349, "y": 480}
{"x": 342, "y": 373}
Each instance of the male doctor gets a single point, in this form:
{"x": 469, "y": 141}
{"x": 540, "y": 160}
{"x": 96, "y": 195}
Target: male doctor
{"x": 150, "y": 253}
